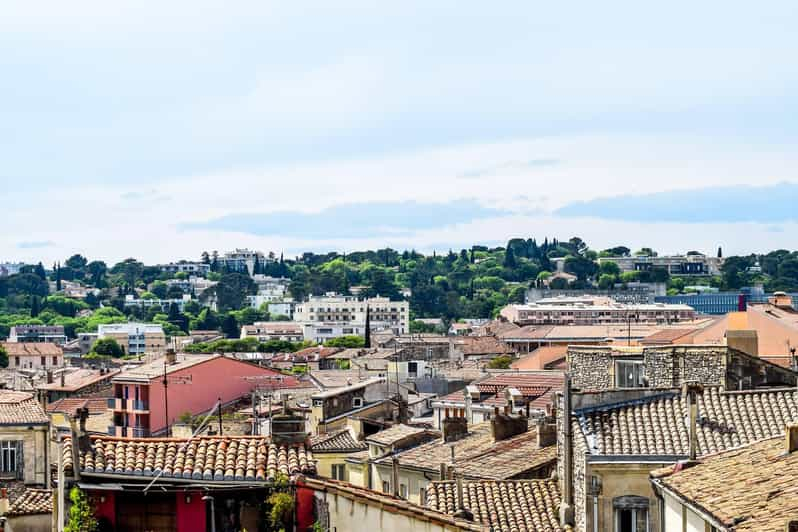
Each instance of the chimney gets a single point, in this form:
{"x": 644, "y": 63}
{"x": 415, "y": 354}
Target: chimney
{"x": 395, "y": 475}
{"x": 690, "y": 392}
{"x": 454, "y": 428}
{"x": 746, "y": 341}
{"x": 547, "y": 432}
{"x": 63, "y": 378}
{"x": 171, "y": 356}
{"x": 504, "y": 425}
{"x": 791, "y": 438}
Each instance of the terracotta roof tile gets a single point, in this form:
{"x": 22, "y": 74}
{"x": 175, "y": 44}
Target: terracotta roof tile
{"x": 658, "y": 426}
{"x": 542, "y": 357}
{"x": 477, "y": 456}
{"x": 217, "y": 458}
{"x": 483, "y": 345}
{"x": 32, "y": 502}
{"x": 395, "y": 434}
{"x": 70, "y": 405}
{"x": 336, "y": 442}
{"x": 20, "y": 408}
{"x": 753, "y": 488}
{"x": 32, "y": 349}
{"x": 518, "y": 506}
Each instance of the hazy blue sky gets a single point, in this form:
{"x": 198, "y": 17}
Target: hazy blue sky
{"x": 159, "y": 129}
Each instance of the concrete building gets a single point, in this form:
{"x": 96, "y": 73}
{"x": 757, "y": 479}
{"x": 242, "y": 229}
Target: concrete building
{"x": 162, "y": 304}
{"x": 282, "y": 308}
{"x": 38, "y": 333}
{"x": 192, "y": 268}
{"x": 690, "y": 264}
{"x": 331, "y": 316}
{"x": 241, "y": 260}
{"x": 34, "y": 356}
{"x": 10, "y": 268}
{"x": 594, "y": 311}
{"x": 629, "y": 293}
{"x": 142, "y": 406}
{"x": 264, "y": 331}
{"x": 135, "y": 338}
{"x": 24, "y": 445}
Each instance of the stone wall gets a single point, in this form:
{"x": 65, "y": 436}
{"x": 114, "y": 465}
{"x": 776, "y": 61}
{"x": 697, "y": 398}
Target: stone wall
{"x": 590, "y": 368}
{"x": 671, "y": 366}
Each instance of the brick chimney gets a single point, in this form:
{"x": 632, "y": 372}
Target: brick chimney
{"x": 454, "y": 428}
{"x": 547, "y": 432}
{"x": 791, "y": 438}
{"x": 504, "y": 425}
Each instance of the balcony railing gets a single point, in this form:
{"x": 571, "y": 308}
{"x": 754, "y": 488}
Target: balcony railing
{"x": 128, "y": 432}
{"x": 126, "y": 405}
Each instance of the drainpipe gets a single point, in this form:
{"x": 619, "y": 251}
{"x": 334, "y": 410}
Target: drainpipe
{"x": 567, "y": 506}
{"x": 395, "y": 476}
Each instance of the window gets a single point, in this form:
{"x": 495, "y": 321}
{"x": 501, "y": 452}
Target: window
{"x": 16, "y": 361}
{"x": 339, "y": 471}
{"x": 386, "y": 486}
{"x": 629, "y": 374}
{"x": 43, "y": 361}
{"x": 422, "y": 496}
{"x": 403, "y": 491}
{"x": 631, "y": 513}
{"x": 357, "y": 402}
{"x": 55, "y": 361}
{"x": 8, "y": 456}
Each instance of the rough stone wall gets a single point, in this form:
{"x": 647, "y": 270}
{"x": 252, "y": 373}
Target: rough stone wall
{"x": 580, "y": 481}
{"x": 590, "y": 369}
{"x": 671, "y": 366}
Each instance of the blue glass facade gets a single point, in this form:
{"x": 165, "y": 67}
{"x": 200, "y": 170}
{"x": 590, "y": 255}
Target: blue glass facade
{"x": 720, "y": 302}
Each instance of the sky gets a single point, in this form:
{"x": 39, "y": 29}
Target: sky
{"x": 157, "y": 130}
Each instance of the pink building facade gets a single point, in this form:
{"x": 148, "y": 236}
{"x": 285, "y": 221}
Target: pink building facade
{"x": 140, "y": 400}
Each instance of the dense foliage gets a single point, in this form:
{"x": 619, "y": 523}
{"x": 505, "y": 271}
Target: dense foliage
{"x": 471, "y": 283}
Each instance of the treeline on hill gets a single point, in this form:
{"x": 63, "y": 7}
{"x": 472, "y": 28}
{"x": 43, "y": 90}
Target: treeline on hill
{"x": 470, "y": 283}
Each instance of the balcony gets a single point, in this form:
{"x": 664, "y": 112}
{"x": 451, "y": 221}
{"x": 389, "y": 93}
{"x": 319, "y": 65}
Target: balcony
{"x": 128, "y": 432}
{"x": 128, "y": 405}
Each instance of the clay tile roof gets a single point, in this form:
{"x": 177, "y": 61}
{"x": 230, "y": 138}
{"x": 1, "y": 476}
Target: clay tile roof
{"x": 336, "y": 442}
{"x": 666, "y": 336}
{"x": 478, "y": 456}
{"x": 541, "y": 357}
{"x": 752, "y": 488}
{"x": 520, "y": 506}
{"x": 483, "y": 345}
{"x": 20, "y": 408}
{"x": 216, "y": 458}
{"x": 32, "y": 502}
{"x": 528, "y": 332}
{"x": 21, "y": 349}
{"x": 658, "y": 425}
{"x": 395, "y": 434}
{"x": 70, "y": 405}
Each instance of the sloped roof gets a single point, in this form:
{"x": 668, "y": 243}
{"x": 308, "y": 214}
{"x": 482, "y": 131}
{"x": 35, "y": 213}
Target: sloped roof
{"x": 31, "y": 502}
{"x": 70, "y": 405}
{"x": 20, "y": 349}
{"x": 20, "y": 408}
{"x": 658, "y": 425}
{"x": 752, "y": 488}
{"x": 542, "y": 357}
{"x": 477, "y": 456}
{"x": 77, "y": 379}
{"x": 666, "y": 336}
{"x": 395, "y": 434}
{"x": 336, "y": 442}
{"x": 520, "y": 505}
{"x": 483, "y": 345}
{"x": 216, "y": 458}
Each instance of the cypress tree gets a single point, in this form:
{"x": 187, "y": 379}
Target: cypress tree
{"x": 367, "y": 339}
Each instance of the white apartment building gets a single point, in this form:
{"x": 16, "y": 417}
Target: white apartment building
{"x": 163, "y": 304}
{"x": 330, "y": 316}
{"x": 191, "y": 268}
{"x": 240, "y": 259}
{"x": 135, "y": 338}
{"x": 594, "y": 311}
{"x": 693, "y": 264}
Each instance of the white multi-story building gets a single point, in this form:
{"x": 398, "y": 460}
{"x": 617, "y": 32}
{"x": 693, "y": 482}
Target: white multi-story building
{"x": 691, "y": 264}
{"x": 242, "y": 259}
{"x": 37, "y": 333}
{"x": 191, "y": 268}
{"x": 282, "y": 308}
{"x": 594, "y": 311}
{"x": 10, "y": 268}
{"x": 331, "y": 316}
{"x": 135, "y": 338}
{"x": 163, "y": 304}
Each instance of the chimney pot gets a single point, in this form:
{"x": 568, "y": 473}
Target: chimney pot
{"x": 792, "y": 438}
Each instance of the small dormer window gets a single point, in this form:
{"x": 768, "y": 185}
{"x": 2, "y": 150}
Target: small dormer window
{"x": 357, "y": 402}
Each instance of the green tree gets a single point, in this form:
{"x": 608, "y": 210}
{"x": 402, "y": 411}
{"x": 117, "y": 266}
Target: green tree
{"x": 107, "y": 347}
{"x": 232, "y": 290}
{"x": 3, "y": 357}
{"x": 609, "y": 267}
{"x": 501, "y": 362}
{"x": 346, "y": 342}
{"x": 81, "y": 514}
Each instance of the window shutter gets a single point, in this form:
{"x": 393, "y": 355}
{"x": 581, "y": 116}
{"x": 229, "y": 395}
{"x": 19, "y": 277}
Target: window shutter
{"x": 20, "y": 461}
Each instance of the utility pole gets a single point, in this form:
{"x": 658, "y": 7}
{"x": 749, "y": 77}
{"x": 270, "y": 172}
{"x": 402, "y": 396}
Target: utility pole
{"x": 220, "y": 416}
